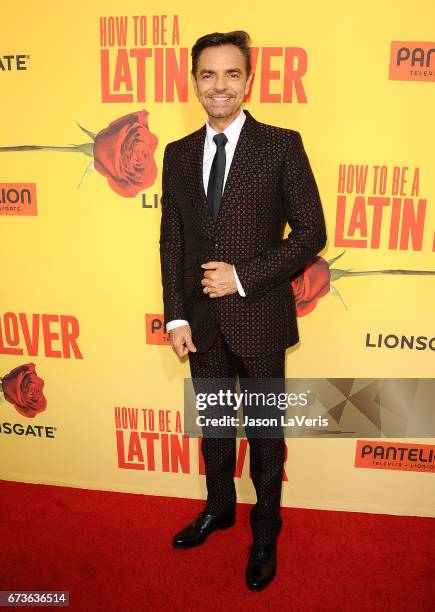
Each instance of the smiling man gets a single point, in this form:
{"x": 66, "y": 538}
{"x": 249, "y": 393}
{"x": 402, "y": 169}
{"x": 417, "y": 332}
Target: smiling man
{"x": 229, "y": 188}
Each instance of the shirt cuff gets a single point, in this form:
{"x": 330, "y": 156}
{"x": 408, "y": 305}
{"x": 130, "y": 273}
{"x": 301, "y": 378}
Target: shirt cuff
{"x": 239, "y": 286}
{"x": 175, "y": 323}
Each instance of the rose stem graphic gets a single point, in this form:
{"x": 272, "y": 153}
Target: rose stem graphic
{"x": 86, "y": 148}
{"x": 337, "y": 273}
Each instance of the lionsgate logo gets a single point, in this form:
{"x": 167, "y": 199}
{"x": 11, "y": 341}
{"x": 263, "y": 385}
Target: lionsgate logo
{"x": 14, "y": 61}
{"x": 18, "y": 199}
{"x": 399, "y": 341}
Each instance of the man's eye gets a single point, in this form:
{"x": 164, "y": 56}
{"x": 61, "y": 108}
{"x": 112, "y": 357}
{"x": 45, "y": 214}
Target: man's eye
{"x": 235, "y": 74}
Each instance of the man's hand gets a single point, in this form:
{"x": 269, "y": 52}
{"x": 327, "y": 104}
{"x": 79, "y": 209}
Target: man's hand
{"x": 218, "y": 279}
{"x": 181, "y": 340}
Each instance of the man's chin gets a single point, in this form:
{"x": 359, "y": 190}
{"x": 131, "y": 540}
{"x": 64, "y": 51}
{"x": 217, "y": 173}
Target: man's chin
{"x": 220, "y": 113}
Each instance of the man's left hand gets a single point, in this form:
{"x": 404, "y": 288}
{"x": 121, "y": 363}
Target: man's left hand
{"x": 218, "y": 279}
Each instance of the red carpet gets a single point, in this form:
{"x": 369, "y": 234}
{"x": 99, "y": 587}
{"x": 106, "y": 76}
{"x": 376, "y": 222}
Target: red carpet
{"x": 112, "y": 551}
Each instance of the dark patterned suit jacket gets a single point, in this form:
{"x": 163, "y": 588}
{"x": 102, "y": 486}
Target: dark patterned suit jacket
{"x": 270, "y": 182}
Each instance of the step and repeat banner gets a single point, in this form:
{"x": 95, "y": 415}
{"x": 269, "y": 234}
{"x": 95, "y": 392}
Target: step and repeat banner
{"x": 92, "y": 392}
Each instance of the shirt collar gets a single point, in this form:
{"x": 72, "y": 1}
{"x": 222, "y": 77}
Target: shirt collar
{"x": 231, "y": 132}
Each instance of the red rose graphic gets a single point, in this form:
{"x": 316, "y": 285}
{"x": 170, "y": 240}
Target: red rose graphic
{"x": 23, "y": 388}
{"x": 312, "y": 284}
{"x": 124, "y": 154}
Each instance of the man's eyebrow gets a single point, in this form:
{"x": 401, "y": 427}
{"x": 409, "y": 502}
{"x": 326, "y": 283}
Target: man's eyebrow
{"x": 213, "y": 71}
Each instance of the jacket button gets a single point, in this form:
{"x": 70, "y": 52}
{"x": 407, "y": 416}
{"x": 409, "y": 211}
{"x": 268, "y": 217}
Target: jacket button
{"x": 216, "y": 244}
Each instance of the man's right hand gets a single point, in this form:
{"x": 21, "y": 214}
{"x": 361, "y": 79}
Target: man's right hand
{"x": 181, "y": 340}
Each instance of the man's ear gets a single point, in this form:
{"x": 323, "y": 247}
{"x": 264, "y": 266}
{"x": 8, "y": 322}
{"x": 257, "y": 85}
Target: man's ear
{"x": 249, "y": 82}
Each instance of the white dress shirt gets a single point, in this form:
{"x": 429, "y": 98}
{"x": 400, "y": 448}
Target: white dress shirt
{"x": 232, "y": 132}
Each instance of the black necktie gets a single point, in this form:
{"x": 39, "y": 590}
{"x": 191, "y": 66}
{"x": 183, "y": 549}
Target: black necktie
{"x": 217, "y": 173}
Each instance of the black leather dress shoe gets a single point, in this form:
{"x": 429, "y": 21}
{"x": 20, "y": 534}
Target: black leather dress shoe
{"x": 261, "y": 567}
{"x": 197, "y": 532}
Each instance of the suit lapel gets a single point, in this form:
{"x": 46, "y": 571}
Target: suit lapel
{"x": 192, "y": 163}
{"x": 247, "y": 156}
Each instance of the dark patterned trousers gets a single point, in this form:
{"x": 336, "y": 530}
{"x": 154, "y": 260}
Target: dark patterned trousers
{"x": 266, "y": 454}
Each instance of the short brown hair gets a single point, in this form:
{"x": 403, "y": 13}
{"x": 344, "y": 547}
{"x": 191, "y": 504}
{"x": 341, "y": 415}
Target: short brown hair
{"x": 240, "y": 38}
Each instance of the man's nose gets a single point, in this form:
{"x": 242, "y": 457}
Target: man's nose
{"x": 220, "y": 83}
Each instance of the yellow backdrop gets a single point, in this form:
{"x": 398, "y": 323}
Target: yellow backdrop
{"x": 80, "y": 290}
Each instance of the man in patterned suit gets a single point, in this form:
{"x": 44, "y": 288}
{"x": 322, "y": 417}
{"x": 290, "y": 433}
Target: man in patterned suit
{"x": 229, "y": 188}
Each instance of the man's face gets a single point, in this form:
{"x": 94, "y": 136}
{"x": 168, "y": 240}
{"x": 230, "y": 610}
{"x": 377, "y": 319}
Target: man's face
{"x": 221, "y": 81}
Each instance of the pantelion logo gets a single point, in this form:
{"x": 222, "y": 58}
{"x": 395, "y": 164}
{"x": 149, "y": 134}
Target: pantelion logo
{"x": 412, "y": 61}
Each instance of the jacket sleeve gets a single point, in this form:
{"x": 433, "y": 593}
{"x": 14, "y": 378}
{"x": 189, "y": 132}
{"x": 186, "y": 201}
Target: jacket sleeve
{"x": 171, "y": 246}
{"x": 303, "y": 210}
